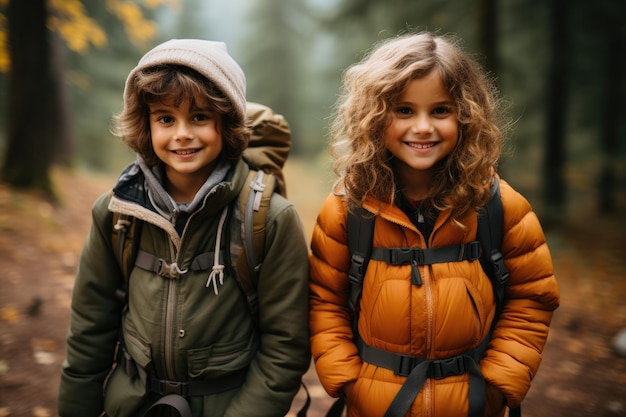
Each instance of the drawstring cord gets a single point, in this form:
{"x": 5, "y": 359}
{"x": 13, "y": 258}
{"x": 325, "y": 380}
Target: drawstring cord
{"x": 217, "y": 272}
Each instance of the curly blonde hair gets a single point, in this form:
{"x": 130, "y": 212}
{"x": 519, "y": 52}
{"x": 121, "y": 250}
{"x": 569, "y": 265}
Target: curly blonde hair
{"x": 174, "y": 84}
{"x": 363, "y": 112}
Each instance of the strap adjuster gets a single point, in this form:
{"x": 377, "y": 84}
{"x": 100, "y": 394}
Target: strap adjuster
{"x": 403, "y": 256}
{"x": 500, "y": 271}
{"x": 403, "y": 365}
{"x": 355, "y": 274}
{"x": 163, "y": 387}
{"x": 444, "y": 368}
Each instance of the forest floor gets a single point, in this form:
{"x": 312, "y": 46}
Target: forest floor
{"x": 580, "y": 376}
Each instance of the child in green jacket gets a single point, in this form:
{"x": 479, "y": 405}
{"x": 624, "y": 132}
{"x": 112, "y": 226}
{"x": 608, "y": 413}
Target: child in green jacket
{"x": 189, "y": 343}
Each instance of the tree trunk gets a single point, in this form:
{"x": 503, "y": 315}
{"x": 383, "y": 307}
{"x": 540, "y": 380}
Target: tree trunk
{"x": 610, "y": 143}
{"x": 554, "y": 183}
{"x": 487, "y": 33}
{"x": 63, "y": 151}
{"x": 28, "y": 156}
{"x": 487, "y": 29}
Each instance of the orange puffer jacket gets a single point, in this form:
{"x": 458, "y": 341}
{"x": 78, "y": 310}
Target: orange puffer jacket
{"x": 449, "y": 314}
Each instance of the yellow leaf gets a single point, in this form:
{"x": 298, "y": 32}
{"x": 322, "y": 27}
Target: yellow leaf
{"x": 41, "y": 412}
{"x": 10, "y": 314}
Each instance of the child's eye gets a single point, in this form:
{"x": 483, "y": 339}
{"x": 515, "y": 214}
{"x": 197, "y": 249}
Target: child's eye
{"x": 166, "y": 119}
{"x": 201, "y": 117}
{"x": 441, "y": 111}
{"x": 404, "y": 111}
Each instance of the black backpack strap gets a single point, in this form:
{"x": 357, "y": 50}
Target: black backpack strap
{"x": 490, "y": 234}
{"x": 360, "y": 227}
{"x": 417, "y": 370}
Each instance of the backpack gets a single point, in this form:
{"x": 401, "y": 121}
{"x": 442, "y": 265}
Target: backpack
{"x": 486, "y": 249}
{"x": 267, "y": 151}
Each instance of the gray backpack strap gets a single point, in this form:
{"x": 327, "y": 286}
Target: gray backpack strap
{"x": 174, "y": 401}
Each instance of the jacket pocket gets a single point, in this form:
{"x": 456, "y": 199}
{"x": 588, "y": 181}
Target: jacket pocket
{"x": 220, "y": 359}
{"x": 459, "y": 313}
{"x": 138, "y": 348}
{"x": 124, "y": 395}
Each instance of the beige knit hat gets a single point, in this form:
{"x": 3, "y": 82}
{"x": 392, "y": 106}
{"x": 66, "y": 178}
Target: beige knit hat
{"x": 209, "y": 58}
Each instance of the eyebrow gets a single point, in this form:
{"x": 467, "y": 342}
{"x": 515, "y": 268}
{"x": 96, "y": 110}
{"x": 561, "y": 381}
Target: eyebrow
{"x": 438, "y": 103}
{"x": 158, "y": 110}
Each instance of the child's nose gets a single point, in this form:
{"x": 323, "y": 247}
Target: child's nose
{"x": 423, "y": 125}
{"x": 183, "y": 132}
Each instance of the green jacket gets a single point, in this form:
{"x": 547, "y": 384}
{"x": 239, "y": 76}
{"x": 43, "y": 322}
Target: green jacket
{"x": 184, "y": 329}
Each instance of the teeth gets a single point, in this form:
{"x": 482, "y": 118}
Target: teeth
{"x": 421, "y": 146}
{"x": 185, "y": 152}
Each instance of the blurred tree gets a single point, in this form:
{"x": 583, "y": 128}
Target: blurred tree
{"x": 487, "y": 33}
{"x": 190, "y": 22}
{"x": 610, "y": 120}
{"x": 36, "y": 69}
{"x": 275, "y": 48}
{"x": 31, "y": 129}
{"x": 558, "y": 75}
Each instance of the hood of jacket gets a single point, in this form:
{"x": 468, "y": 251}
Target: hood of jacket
{"x": 139, "y": 193}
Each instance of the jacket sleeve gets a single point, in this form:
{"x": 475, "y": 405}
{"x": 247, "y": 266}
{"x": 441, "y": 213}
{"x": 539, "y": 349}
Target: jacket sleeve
{"x": 336, "y": 357}
{"x": 283, "y": 356}
{"x": 94, "y": 321}
{"x": 531, "y": 296}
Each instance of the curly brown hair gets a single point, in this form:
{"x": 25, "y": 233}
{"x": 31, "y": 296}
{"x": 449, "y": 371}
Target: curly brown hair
{"x": 363, "y": 112}
{"x": 173, "y": 84}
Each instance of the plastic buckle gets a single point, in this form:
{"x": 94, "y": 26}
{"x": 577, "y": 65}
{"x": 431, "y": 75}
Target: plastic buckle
{"x": 401, "y": 256}
{"x": 499, "y": 269}
{"x": 355, "y": 274}
{"x": 444, "y": 368}
{"x": 173, "y": 387}
{"x": 403, "y": 365}
{"x": 474, "y": 250}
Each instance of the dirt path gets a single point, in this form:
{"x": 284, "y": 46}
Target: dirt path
{"x": 39, "y": 247}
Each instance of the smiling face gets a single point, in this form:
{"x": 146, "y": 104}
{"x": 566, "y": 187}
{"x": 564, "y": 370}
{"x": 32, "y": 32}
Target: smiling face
{"x": 423, "y": 131}
{"x": 187, "y": 139}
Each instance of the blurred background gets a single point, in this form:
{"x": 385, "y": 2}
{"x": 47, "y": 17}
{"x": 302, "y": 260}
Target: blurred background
{"x": 559, "y": 64}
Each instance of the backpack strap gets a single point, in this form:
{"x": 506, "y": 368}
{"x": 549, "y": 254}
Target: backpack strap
{"x": 360, "y": 229}
{"x": 490, "y": 234}
{"x": 125, "y": 244}
{"x": 254, "y": 202}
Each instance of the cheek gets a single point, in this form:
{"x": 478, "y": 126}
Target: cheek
{"x": 393, "y": 132}
{"x": 450, "y": 131}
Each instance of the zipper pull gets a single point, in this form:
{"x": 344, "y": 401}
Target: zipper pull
{"x": 416, "y": 279}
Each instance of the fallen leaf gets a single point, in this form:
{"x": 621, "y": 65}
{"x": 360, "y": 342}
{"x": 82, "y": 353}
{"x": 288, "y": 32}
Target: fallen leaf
{"x": 10, "y": 314}
{"x": 46, "y": 345}
{"x": 41, "y": 412}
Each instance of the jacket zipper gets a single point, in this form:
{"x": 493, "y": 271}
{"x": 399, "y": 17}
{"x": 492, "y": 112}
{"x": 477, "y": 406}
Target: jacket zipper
{"x": 427, "y": 390}
{"x": 172, "y": 299}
